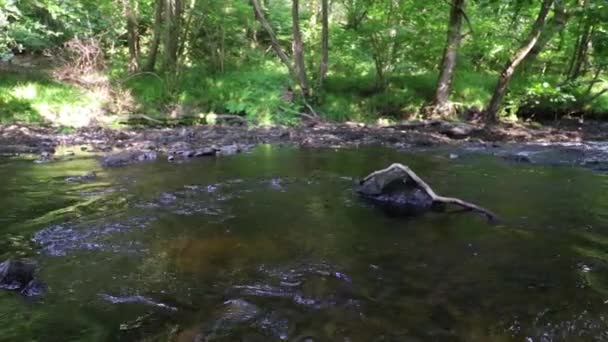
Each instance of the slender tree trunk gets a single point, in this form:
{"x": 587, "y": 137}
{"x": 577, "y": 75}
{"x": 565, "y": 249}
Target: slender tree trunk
{"x": 158, "y": 27}
{"x": 442, "y": 103}
{"x": 223, "y": 51}
{"x": 132, "y": 34}
{"x": 493, "y": 109}
{"x": 187, "y": 24}
{"x": 379, "y": 63}
{"x": 555, "y": 25}
{"x": 580, "y": 55}
{"x": 276, "y": 46}
{"x": 172, "y": 13}
{"x": 324, "y": 64}
{"x": 298, "y": 49}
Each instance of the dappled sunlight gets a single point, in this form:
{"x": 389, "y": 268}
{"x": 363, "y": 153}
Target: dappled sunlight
{"x": 25, "y": 92}
{"x": 31, "y": 97}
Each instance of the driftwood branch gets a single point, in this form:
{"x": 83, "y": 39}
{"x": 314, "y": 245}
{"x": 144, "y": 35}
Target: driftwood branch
{"x": 436, "y": 198}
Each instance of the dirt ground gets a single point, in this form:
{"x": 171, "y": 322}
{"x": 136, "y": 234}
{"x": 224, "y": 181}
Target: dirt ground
{"x": 22, "y": 139}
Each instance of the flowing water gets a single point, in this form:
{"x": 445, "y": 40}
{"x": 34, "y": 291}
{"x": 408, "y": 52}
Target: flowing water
{"x": 274, "y": 245}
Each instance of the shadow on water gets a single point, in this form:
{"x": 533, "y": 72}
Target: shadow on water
{"x": 274, "y": 245}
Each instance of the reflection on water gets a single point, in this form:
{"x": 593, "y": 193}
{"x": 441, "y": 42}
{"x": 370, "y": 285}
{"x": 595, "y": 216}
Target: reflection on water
{"x": 274, "y": 246}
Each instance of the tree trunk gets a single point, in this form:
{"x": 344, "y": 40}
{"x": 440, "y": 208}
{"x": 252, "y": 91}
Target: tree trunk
{"x": 582, "y": 42}
{"x": 442, "y": 103}
{"x": 555, "y": 25}
{"x": 187, "y": 16}
{"x": 324, "y": 64}
{"x": 276, "y": 46}
{"x": 493, "y": 109}
{"x": 580, "y": 54}
{"x": 132, "y": 34}
{"x": 172, "y": 13}
{"x": 158, "y": 27}
{"x": 298, "y": 49}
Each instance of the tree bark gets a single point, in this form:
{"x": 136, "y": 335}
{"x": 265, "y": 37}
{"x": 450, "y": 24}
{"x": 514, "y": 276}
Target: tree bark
{"x": 132, "y": 34}
{"x": 493, "y": 109}
{"x": 441, "y": 102}
{"x": 172, "y": 14}
{"x": 324, "y": 64}
{"x": 298, "y": 49}
{"x": 157, "y": 32}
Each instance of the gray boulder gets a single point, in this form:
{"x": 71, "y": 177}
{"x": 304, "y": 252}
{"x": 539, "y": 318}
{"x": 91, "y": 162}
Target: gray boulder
{"x": 395, "y": 192}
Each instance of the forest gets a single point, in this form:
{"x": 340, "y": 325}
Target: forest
{"x": 279, "y": 62}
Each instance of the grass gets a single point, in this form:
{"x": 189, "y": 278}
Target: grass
{"x": 36, "y": 98}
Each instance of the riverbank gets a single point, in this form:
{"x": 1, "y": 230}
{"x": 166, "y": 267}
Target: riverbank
{"x": 186, "y": 141}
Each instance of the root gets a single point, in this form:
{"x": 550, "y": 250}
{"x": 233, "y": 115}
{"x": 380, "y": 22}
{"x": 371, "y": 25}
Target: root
{"x": 490, "y": 216}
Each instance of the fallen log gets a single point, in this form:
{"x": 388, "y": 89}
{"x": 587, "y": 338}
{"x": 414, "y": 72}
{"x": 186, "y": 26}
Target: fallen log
{"x": 400, "y": 189}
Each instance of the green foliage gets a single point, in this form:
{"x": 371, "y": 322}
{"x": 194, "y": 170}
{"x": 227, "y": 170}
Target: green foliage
{"x": 384, "y": 56}
{"x": 473, "y": 88}
{"x": 256, "y": 92}
{"x": 33, "y": 26}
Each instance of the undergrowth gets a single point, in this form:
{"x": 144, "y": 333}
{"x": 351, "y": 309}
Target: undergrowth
{"x": 262, "y": 94}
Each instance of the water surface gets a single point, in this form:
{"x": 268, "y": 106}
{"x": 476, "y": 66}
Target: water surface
{"x": 274, "y": 245}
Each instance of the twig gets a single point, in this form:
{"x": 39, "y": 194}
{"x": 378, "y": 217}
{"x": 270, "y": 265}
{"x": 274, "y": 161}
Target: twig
{"x": 596, "y": 96}
{"x": 312, "y": 111}
{"x": 308, "y": 116}
{"x": 490, "y": 216}
{"x": 304, "y": 115}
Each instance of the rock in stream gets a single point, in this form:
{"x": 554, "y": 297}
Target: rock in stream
{"x": 17, "y": 275}
{"x": 394, "y": 192}
{"x": 128, "y": 157}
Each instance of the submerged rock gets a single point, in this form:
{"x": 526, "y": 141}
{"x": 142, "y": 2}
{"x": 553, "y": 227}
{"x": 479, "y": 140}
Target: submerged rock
{"x": 44, "y": 157}
{"x": 517, "y": 158}
{"x": 17, "y": 275}
{"x": 241, "y": 320}
{"x": 91, "y": 176}
{"x": 239, "y": 310}
{"x": 128, "y": 157}
{"x": 167, "y": 198}
{"x": 59, "y": 240}
{"x": 136, "y": 299}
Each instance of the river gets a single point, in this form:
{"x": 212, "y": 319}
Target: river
{"x": 274, "y": 245}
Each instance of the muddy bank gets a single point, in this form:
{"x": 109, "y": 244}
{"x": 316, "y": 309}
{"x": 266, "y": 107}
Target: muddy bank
{"x": 198, "y": 141}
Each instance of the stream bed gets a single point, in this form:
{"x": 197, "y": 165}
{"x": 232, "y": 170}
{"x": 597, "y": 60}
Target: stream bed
{"x": 274, "y": 245}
